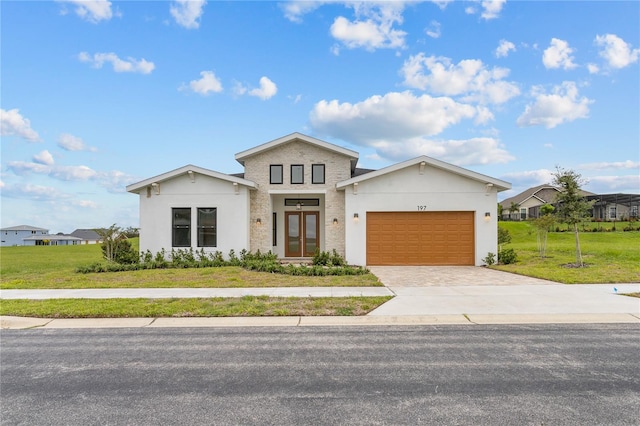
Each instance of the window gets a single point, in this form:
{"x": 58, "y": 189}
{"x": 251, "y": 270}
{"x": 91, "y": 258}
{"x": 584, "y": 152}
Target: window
{"x": 303, "y": 202}
{"x": 181, "y": 222}
{"x": 317, "y": 173}
{"x": 297, "y": 173}
{"x": 612, "y": 213}
{"x": 207, "y": 230}
{"x": 275, "y": 173}
{"x": 634, "y": 211}
{"x": 274, "y": 229}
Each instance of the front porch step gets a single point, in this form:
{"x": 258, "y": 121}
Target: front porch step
{"x": 296, "y": 261}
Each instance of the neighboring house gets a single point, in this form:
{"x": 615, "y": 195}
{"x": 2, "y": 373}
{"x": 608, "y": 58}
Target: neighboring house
{"x": 615, "y": 206}
{"x": 606, "y": 206}
{"x": 52, "y": 240}
{"x": 15, "y": 235}
{"x": 88, "y": 236}
{"x": 299, "y": 194}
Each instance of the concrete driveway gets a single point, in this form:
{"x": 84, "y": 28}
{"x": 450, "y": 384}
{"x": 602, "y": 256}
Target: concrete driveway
{"x": 483, "y": 294}
{"x": 448, "y": 276}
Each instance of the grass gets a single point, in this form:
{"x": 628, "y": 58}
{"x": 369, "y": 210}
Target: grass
{"x": 611, "y": 257}
{"x": 52, "y": 267}
{"x": 210, "y": 307}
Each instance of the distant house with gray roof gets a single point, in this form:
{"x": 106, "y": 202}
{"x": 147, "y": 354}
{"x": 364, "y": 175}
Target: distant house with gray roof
{"x": 88, "y": 236}
{"x": 526, "y": 205}
{"x": 15, "y": 235}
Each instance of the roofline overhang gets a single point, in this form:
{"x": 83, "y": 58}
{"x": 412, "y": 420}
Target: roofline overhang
{"x": 500, "y": 185}
{"x": 136, "y": 187}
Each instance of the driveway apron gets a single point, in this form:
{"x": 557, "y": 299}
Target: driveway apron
{"x": 431, "y": 290}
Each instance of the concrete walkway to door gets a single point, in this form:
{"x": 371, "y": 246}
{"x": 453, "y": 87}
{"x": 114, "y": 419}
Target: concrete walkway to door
{"x": 486, "y": 295}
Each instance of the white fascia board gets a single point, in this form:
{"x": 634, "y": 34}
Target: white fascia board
{"x": 240, "y": 157}
{"x": 135, "y": 187}
{"x": 500, "y": 185}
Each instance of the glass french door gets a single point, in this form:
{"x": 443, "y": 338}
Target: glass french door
{"x": 302, "y": 233}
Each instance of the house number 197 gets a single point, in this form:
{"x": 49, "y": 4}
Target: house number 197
{"x": 422, "y": 208}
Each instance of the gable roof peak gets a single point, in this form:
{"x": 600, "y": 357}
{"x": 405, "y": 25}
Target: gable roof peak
{"x": 241, "y": 156}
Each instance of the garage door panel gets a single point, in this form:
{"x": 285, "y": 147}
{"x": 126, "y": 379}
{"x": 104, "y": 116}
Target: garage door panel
{"x": 420, "y": 238}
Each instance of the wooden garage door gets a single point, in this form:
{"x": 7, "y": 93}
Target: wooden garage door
{"x": 420, "y": 238}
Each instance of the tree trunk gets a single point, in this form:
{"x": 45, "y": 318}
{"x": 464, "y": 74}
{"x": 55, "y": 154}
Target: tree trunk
{"x": 578, "y": 251}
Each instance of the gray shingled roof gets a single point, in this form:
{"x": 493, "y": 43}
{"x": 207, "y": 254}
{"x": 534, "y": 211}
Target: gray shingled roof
{"x": 86, "y": 234}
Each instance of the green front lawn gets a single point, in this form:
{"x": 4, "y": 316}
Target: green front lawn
{"x": 248, "y": 306}
{"x": 54, "y": 267}
{"x": 611, "y": 257}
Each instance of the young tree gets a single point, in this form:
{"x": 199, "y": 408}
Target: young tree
{"x": 542, "y": 224}
{"x": 572, "y": 206}
{"x": 115, "y": 247}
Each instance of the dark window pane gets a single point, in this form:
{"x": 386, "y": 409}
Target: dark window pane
{"x": 317, "y": 173}
{"x": 181, "y": 222}
{"x": 297, "y": 173}
{"x": 207, "y": 227}
{"x": 275, "y": 174}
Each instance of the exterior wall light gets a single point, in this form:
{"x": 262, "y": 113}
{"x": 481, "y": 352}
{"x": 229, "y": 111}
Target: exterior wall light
{"x": 258, "y": 221}
{"x": 356, "y": 217}
{"x": 487, "y": 216}
{"x": 335, "y": 220}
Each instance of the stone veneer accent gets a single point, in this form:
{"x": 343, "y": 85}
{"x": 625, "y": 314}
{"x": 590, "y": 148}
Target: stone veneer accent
{"x": 337, "y": 168}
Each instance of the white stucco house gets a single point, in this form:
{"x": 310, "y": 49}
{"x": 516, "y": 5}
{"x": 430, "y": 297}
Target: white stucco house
{"x": 299, "y": 194}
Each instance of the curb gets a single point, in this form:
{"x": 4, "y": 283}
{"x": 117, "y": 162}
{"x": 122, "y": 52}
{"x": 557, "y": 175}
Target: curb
{"x": 16, "y": 323}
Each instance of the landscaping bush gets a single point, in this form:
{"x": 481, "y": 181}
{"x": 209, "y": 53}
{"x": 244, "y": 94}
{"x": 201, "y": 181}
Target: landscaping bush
{"x": 327, "y": 263}
{"x": 507, "y": 256}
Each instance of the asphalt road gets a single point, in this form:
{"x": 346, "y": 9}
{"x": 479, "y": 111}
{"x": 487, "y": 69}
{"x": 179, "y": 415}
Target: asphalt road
{"x": 471, "y": 375}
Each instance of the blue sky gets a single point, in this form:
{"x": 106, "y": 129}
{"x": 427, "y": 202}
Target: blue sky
{"x": 96, "y": 95}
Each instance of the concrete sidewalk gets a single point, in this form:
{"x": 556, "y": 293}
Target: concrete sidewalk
{"x": 456, "y": 304}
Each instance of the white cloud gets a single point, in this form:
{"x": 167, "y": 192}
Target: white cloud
{"x": 23, "y": 167}
{"x": 434, "y": 30}
{"x": 93, "y": 11}
{"x": 551, "y": 109}
{"x": 504, "y": 48}
{"x": 530, "y": 178}
{"x": 294, "y": 10}
{"x": 469, "y": 77}
{"x": 492, "y": 8}
{"x": 141, "y": 66}
{"x": 86, "y": 204}
{"x": 616, "y": 51}
{"x": 267, "y": 89}
{"x": 72, "y": 173}
{"x": 69, "y": 142}
{"x": 609, "y": 184}
{"x": 392, "y": 116}
{"x": 113, "y": 180}
{"x": 187, "y": 13}
{"x": 12, "y": 123}
{"x": 593, "y": 68}
{"x": 558, "y": 55}
{"x": 616, "y": 165}
{"x": 33, "y": 192}
{"x": 473, "y": 151}
{"x": 208, "y": 83}
{"x": 43, "y": 157}
{"x": 372, "y": 28}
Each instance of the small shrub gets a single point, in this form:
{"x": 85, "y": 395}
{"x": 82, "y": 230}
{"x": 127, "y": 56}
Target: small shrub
{"x": 507, "y": 256}
{"x": 490, "y": 259}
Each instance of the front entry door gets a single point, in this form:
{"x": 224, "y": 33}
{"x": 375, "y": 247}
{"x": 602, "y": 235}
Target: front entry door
{"x": 302, "y": 234}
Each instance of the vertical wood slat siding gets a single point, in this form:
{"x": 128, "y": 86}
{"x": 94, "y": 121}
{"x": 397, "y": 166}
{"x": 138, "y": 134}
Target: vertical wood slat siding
{"x": 420, "y": 238}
